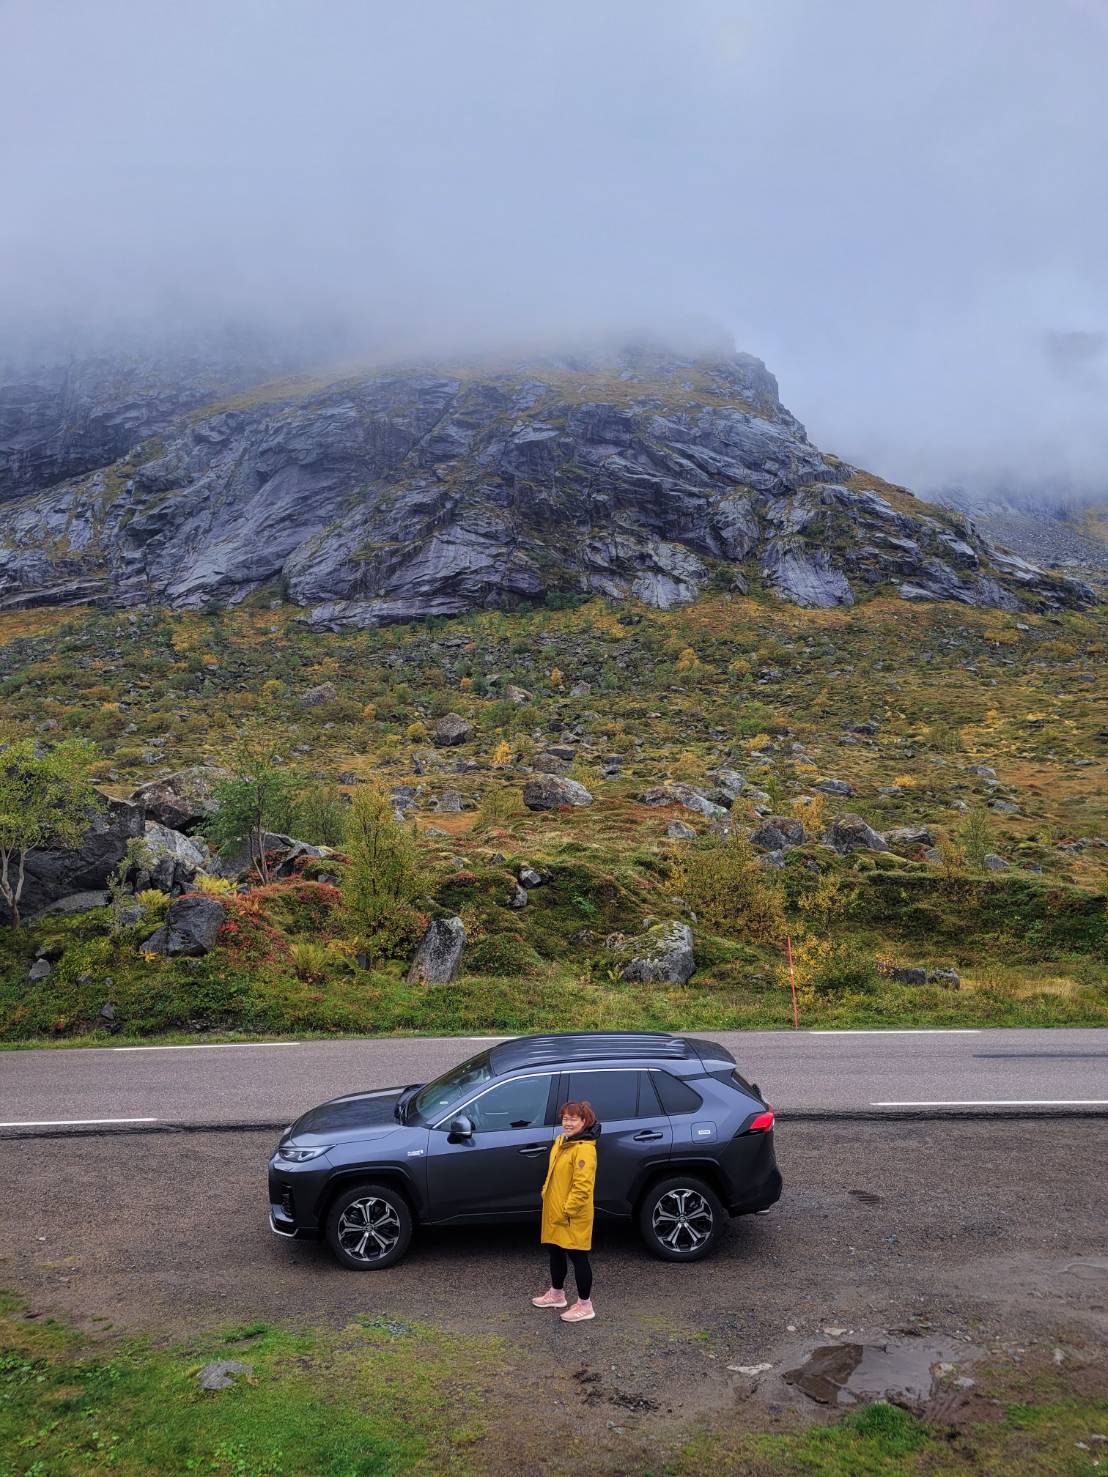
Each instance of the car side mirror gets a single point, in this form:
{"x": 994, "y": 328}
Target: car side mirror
{"x": 460, "y": 1128}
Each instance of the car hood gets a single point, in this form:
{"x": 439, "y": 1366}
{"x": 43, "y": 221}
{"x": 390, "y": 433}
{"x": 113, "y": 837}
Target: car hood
{"x": 358, "y": 1115}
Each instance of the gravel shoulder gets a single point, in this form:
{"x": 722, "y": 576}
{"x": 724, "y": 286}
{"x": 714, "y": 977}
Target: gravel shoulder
{"x": 985, "y": 1234}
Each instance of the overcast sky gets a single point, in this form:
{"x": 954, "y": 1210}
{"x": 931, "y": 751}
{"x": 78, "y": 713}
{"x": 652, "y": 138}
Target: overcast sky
{"x": 900, "y": 206}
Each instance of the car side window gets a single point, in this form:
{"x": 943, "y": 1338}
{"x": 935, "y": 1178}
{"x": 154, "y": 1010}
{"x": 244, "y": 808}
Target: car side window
{"x": 676, "y": 1096}
{"x": 613, "y": 1095}
{"x": 517, "y": 1103}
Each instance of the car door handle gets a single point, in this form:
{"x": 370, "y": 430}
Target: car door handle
{"x": 645, "y": 1135}
{"x": 533, "y": 1150}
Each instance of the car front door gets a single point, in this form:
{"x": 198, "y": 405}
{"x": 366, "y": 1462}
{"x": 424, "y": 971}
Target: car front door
{"x": 634, "y": 1132}
{"x": 499, "y": 1169}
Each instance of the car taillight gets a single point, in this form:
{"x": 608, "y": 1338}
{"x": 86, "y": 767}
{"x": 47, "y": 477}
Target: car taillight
{"x": 763, "y": 1123}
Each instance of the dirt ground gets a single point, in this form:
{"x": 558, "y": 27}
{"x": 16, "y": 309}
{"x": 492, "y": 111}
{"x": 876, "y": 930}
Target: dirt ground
{"x": 978, "y": 1239}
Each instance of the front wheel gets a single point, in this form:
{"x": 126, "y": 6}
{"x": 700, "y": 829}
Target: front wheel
{"x": 369, "y": 1227}
{"x": 681, "y": 1219}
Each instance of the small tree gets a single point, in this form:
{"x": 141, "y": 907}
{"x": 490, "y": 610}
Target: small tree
{"x": 974, "y": 837}
{"x": 385, "y": 873}
{"x": 44, "y": 798}
{"x": 730, "y": 890}
{"x": 255, "y": 798}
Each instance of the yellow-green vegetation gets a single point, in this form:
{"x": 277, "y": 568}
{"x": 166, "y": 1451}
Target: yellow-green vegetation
{"x": 905, "y": 703}
{"x": 378, "y": 1398}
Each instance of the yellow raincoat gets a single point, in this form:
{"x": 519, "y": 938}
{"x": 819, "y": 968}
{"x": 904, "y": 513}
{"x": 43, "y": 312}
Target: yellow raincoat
{"x": 567, "y": 1194}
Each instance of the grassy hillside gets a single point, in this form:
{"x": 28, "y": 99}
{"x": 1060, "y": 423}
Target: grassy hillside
{"x": 905, "y": 703}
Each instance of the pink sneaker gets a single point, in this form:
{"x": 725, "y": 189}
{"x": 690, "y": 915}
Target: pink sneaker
{"x": 553, "y": 1297}
{"x": 579, "y": 1312}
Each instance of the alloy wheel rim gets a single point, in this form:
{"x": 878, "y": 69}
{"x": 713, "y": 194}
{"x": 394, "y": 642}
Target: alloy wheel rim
{"x": 369, "y": 1229}
{"x": 682, "y": 1220}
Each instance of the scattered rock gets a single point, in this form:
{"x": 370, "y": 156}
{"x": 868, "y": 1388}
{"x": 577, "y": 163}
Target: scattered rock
{"x": 450, "y": 801}
{"x": 439, "y": 956}
{"x": 529, "y": 877}
{"x": 220, "y": 1373}
{"x": 548, "y": 764}
{"x": 681, "y": 794}
{"x": 191, "y": 928}
{"x": 834, "y": 787}
{"x": 181, "y": 801}
{"x": 679, "y": 831}
{"x": 662, "y": 955}
{"x": 518, "y": 898}
{"x": 909, "y": 836}
{"x": 994, "y": 863}
{"x": 41, "y": 969}
{"x": 1004, "y": 807}
{"x": 315, "y": 697}
{"x": 450, "y": 731}
{"x": 551, "y": 792}
{"x": 777, "y": 832}
{"x": 851, "y": 833}
{"x": 517, "y": 695}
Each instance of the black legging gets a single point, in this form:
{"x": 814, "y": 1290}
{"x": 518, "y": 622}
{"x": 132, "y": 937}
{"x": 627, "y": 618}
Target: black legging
{"x": 559, "y": 1266}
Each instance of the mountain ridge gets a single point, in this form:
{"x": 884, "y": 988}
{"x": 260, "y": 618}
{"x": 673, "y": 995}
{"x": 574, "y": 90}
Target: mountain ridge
{"x": 431, "y": 490}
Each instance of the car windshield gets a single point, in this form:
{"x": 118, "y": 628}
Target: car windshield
{"x": 438, "y": 1097}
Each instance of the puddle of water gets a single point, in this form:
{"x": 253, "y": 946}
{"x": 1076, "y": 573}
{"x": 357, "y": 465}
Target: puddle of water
{"x": 854, "y": 1374}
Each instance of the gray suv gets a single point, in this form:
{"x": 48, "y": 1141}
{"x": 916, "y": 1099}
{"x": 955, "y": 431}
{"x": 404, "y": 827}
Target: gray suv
{"x": 685, "y": 1141}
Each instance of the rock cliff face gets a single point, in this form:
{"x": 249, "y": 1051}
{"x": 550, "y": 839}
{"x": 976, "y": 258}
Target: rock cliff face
{"x": 398, "y": 496}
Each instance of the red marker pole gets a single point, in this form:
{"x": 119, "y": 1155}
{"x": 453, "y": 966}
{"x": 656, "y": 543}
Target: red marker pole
{"x": 792, "y": 982}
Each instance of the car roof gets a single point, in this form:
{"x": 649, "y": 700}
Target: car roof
{"x": 587, "y": 1046}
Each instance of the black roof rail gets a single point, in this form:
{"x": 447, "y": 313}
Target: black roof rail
{"x": 584, "y": 1046}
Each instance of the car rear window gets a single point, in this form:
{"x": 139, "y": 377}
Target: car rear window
{"x": 612, "y": 1095}
{"x": 677, "y": 1097}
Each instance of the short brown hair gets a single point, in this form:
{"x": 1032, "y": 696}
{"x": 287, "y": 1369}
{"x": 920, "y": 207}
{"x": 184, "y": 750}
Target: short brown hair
{"x": 580, "y": 1110}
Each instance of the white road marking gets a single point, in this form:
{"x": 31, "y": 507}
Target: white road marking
{"x": 905, "y": 1031}
{"x": 488, "y": 1038}
{"x": 204, "y": 1046}
{"x": 71, "y": 1122}
{"x": 1005, "y": 1102}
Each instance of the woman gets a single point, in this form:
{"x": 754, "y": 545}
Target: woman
{"x": 567, "y": 1207}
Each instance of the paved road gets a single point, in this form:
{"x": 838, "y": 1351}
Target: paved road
{"x": 883, "y": 1073}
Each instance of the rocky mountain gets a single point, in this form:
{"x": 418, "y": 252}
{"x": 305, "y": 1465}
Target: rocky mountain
{"x": 433, "y": 490}
{"x": 1054, "y": 532}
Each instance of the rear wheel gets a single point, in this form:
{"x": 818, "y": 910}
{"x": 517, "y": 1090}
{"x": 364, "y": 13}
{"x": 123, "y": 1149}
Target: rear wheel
{"x": 369, "y": 1227}
{"x": 681, "y": 1219}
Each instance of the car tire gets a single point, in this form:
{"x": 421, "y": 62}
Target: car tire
{"x": 369, "y": 1227}
{"x": 681, "y": 1218}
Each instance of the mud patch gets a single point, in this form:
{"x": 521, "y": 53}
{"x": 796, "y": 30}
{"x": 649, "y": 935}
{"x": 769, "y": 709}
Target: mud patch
{"x": 865, "y": 1197}
{"x": 904, "y": 1372}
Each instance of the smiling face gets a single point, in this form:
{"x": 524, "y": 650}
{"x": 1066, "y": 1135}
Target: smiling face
{"x": 571, "y": 1124}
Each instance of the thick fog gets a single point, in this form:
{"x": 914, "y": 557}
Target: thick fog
{"x": 900, "y": 207}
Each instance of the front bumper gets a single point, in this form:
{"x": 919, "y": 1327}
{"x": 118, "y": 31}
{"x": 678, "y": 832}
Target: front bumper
{"x": 295, "y": 1196}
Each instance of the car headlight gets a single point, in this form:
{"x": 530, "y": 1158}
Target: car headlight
{"x": 297, "y": 1156}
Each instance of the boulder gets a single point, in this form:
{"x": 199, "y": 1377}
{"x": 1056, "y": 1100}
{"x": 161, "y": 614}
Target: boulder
{"x": 662, "y": 955}
{"x": 78, "y": 902}
{"x": 52, "y": 874}
{"x": 910, "y": 836}
{"x": 777, "y": 832}
{"x": 551, "y": 792}
{"x": 834, "y": 787}
{"x": 191, "y": 928}
{"x": 175, "y": 859}
{"x": 315, "y": 697}
{"x": 682, "y": 794}
{"x": 546, "y": 763}
{"x": 518, "y": 898}
{"x": 680, "y": 831}
{"x": 517, "y": 695}
{"x": 450, "y": 800}
{"x": 439, "y": 956}
{"x": 529, "y": 877}
{"x": 184, "y": 800}
{"x": 851, "y": 833}
{"x": 994, "y": 863}
{"x": 41, "y": 969}
{"x": 450, "y": 730}
{"x": 729, "y": 783}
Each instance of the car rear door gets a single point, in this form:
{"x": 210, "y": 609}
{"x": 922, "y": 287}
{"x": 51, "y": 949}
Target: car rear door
{"x": 499, "y": 1170}
{"x": 635, "y": 1134}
